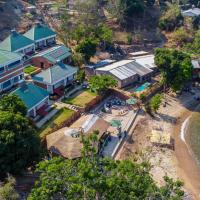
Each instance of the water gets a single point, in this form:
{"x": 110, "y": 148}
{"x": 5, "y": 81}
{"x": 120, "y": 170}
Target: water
{"x": 193, "y": 135}
{"x": 142, "y": 87}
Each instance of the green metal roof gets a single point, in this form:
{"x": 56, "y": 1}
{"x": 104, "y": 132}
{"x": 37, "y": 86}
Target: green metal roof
{"x": 15, "y": 41}
{"x": 7, "y": 56}
{"x": 39, "y": 32}
{"x": 55, "y": 54}
{"x": 31, "y": 94}
{"x": 55, "y": 73}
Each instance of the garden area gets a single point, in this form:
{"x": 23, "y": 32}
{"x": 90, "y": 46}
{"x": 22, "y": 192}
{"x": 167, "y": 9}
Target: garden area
{"x": 81, "y": 98}
{"x": 56, "y": 121}
{"x": 30, "y": 69}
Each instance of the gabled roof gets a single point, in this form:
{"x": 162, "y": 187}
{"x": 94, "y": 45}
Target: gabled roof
{"x": 191, "y": 12}
{"x": 55, "y": 73}
{"x": 55, "y": 54}
{"x": 7, "y": 56}
{"x": 125, "y": 69}
{"x": 39, "y": 31}
{"x": 15, "y": 41}
{"x": 31, "y": 94}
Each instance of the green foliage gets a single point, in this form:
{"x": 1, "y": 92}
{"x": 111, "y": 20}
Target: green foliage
{"x": 18, "y": 143}
{"x": 77, "y": 59}
{"x": 155, "y": 102}
{"x": 102, "y": 83}
{"x": 13, "y": 104}
{"x": 175, "y": 67}
{"x": 194, "y": 47}
{"x": 142, "y": 97}
{"x": 124, "y": 10}
{"x": 171, "y": 18}
{"x": 129, "y": 39}
{"x": 87, "y": 48}
{"x": 93, "y": 177}
{"x": 180, "y": 36}
{"x": 132, "y": 7}
{"x": 7, "y": 191}
{"x": 81, "y": 76}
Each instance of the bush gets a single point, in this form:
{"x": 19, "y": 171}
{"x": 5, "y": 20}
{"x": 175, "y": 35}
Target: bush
{"x": 171, "y": 18}
{"x": 129, "y": 39}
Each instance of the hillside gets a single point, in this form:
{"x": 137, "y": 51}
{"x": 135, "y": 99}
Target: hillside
{"x": 13, "y": 14}
{"x": 16, "y": 14}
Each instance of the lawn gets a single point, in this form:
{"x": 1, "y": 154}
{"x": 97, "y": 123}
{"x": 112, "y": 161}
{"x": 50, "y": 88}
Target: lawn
{"x": 30, "y": 69}
{"x": 81, "y": 99}
{"x": 56, "y": 120}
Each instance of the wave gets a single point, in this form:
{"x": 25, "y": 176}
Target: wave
{"x": 183, "y": 129}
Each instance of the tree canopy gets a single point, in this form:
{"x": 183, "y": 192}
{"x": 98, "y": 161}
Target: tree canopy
{"x": 155, "y": 102}
{"x": 175, "y": 67}
{"x": 171, "y": 18}
{"x": 13, "y": 104}
{"x": 101, "y": 83}
{"x": 93, "y": 177}
{"x": 19, "y": 146}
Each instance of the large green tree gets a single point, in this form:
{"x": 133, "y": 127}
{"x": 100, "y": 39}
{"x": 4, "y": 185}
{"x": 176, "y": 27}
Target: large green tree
{"x": 13, "y": 104}
{"x": 92, "y": 177}
{"x": 88, "y": 48}
{"x": 175, "y": 67}
{"x": 101, "y": 83}
{"x": 19, "y": 146}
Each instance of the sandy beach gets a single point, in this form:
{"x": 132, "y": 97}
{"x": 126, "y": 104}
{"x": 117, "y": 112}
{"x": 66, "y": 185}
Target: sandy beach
{"x": 177, "y": 163}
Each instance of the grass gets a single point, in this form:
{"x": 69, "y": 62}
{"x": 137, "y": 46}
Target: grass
{"x": 29, "y": 70}
{"x": 81, "y": 99}
{"x": 60, "y": 117}
{"x": 120, "y": 36}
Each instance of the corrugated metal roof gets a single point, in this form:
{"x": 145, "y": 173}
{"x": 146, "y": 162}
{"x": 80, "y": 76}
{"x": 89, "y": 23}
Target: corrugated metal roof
{"x": 125, "y": 69}
{"x": 54, "y": 54}
{"x": 146, "y": 60}
{"x": 191, "y": 12}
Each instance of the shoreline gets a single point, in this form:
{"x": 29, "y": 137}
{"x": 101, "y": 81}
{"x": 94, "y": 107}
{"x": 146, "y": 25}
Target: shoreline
{"x": 177, "y": 163}
{"x": 187, "y": 166}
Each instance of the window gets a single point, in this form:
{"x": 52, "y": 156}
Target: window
{"x": 1, "y": 70}
{"x": 14, "y": 64}
{"x": 16, "y": 79}
{"x": 6, "y": 84}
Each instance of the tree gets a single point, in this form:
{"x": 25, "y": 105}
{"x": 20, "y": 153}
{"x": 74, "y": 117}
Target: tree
{"x": 93, "y": 177}
{"x": 7, "y": 191}
{"x": 87, "y": 47}
{"x": 81, "y": 76}
{"x": 19, "y": 147}
{"x": 155, "y": 102}
{"x": 125, "y": 10}
{"x": 13, "y": 104}
{"x": 101, "y": 83}
{"x": 171, "y": 18}
{"x": 175, "y": 67}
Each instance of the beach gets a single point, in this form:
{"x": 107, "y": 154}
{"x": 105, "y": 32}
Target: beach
{"x": 177, "y": 163}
